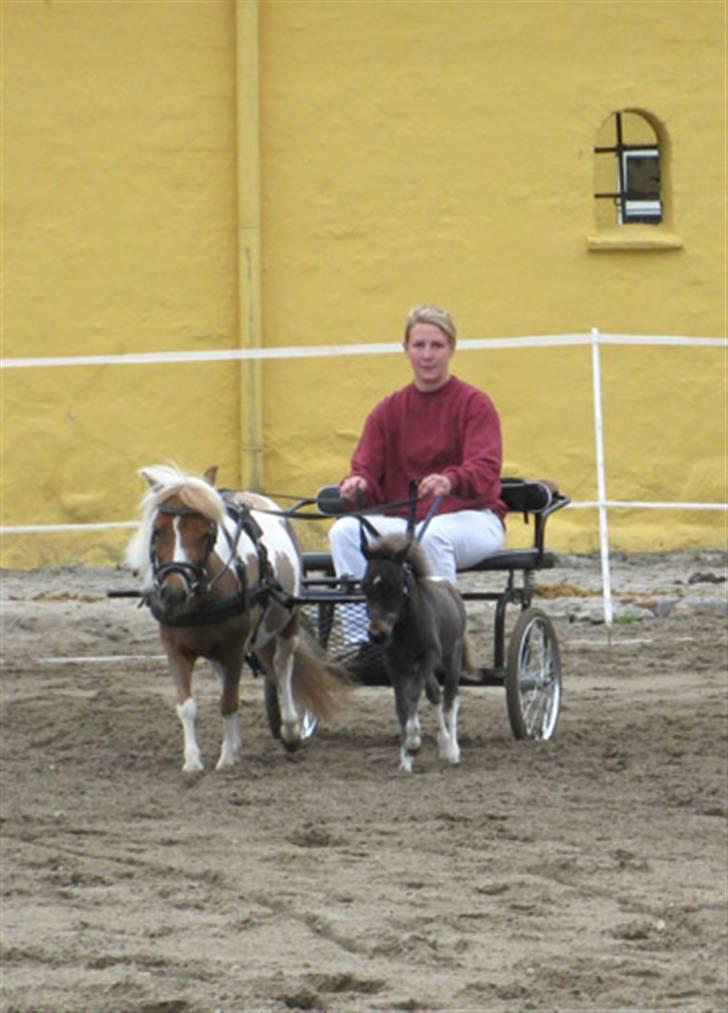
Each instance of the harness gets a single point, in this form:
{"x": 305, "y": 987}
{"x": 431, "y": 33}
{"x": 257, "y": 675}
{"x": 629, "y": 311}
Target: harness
{"x": 200, "y": 584}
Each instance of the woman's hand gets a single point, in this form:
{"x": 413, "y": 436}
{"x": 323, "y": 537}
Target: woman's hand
{"x": 352, "y": 485}
{"x": 434, "y": 485}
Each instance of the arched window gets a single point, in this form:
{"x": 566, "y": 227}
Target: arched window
{"x": 628, "y": 171}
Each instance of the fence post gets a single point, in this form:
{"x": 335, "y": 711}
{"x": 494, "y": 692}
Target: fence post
{"x": 601, "y": 480}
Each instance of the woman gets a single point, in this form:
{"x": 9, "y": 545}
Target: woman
{"x": 441, "y": 432}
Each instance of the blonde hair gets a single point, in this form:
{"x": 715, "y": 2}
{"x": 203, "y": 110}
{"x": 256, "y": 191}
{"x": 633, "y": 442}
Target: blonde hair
{"x": 430, "y": 315}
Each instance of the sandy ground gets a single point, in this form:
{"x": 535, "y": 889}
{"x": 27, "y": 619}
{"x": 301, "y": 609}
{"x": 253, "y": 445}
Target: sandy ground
{"x": 586, "y": 873}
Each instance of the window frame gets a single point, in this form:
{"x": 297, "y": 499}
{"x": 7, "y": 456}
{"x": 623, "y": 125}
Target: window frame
{"x": 631, "y": 210}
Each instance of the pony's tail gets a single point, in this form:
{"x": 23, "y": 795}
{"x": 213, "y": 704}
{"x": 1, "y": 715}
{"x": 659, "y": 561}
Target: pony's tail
{"x": 319, "y": 685}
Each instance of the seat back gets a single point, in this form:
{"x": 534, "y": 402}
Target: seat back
{"x": 522, "y": 496}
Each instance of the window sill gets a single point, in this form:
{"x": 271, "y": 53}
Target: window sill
{"x": 634, "y": 237}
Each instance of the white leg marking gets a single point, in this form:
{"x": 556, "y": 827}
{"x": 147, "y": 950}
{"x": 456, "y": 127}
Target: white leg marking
{"x": 443, "y": 735}
{"x": 412, "y": 735}
{"x": 231, "y": 742}
{"x": 452, "y": 750}
{"x": 406, "y": 762}
{"x": 290, "y": 721}
{"x": 187, "y": 713}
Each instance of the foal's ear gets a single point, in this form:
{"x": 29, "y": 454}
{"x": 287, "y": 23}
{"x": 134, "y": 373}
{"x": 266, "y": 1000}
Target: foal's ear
{"x": 211, "y": 474}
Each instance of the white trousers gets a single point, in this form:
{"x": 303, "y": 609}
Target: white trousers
{"x": 451, "y": 542}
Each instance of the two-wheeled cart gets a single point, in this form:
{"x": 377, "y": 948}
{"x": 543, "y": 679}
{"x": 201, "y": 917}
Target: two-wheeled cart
{"x": 526, "y": 661}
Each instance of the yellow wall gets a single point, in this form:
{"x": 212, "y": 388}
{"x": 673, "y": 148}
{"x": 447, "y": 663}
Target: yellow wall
{"x": 443, "y": 152}
{"x": 408, "y": 152}
{"x": 119, "y": 192}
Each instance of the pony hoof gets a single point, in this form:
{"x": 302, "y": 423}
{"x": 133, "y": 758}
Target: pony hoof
{"x": 193, "y": 766}
{"x": 291, "y": 738}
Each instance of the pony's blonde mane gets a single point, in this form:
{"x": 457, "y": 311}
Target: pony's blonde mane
{"x": 167, "y": 482}
{"x": 392, "y": 546}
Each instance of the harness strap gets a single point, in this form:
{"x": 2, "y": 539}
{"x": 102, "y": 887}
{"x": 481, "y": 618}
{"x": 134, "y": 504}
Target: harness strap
{"x": 366, "y": 527}
{"x": 412, "y": 506}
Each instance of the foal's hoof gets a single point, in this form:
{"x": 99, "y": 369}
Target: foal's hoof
{"x": 449, "y": 753}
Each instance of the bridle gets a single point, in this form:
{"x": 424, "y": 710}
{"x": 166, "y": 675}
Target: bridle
{"x": 199, "y": 583}
{"x": 393, "y": 617}
{"x": 194, "y": 575}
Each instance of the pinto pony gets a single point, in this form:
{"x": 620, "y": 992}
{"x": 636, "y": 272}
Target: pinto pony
{"x": 420, "y": 621}
{"x": 221, "y": 575}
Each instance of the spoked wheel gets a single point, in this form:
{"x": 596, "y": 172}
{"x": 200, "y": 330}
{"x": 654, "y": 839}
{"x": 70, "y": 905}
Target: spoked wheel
{"x": 309, "y": 724}
{"x": 533, "y": 677}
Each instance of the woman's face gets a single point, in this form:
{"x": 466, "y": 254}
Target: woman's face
{"x": 429, "y": 351}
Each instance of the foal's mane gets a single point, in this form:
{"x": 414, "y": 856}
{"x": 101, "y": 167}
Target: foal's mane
{"x": 166, "y": 483}
{"x": 399, "y": 548}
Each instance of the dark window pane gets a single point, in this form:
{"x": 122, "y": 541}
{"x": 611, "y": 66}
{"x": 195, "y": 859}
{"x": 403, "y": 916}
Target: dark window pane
{"x": 643, "y": 176}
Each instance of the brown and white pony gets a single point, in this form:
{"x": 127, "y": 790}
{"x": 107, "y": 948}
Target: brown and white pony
{"x": 220, "y": 575}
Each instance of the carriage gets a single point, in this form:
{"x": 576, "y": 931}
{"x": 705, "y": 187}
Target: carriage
{"x": 526, "y": 660}
{"x": 223, "y": 575}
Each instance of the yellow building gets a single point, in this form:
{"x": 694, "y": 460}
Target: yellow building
{"x": 212, "y": 176}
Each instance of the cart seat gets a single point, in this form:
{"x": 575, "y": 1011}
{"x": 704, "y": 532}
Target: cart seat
{"x": 515, "y": 559}
{"x": 529, "y": 498}
{"x": 537, "y": 499}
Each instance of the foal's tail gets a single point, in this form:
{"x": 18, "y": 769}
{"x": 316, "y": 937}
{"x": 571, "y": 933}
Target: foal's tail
{"x": 319, "y": 685}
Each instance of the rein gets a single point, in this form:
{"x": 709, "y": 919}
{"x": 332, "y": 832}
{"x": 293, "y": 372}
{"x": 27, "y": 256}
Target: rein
{"x": 296, "y": 514}
{"x": 366, "y": 526}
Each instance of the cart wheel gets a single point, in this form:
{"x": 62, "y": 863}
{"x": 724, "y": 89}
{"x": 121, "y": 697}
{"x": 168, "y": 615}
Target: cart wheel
{"x": 273, "y": 713}
{"x": 533, "y": 677}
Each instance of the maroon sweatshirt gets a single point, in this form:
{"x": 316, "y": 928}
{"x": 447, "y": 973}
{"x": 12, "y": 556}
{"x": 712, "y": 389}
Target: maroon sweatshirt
{"x": 454, "y": 431}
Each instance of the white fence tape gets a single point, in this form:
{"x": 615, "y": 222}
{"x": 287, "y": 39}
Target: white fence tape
{"x": 595, "y": 339}
{"x": 330, "y": 351}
